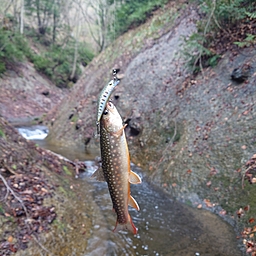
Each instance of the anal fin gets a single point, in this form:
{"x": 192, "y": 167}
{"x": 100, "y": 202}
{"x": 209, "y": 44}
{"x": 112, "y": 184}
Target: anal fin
{"x": 98, "y": 175}
{"x": 132, "y": 202}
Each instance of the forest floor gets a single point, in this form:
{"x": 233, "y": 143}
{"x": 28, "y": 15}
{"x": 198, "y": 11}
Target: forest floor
{"x": 25, "y": 184}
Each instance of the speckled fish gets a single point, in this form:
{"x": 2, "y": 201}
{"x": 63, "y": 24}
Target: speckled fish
{"x": 104, "y": 97}
{"x": 116, "y": 167}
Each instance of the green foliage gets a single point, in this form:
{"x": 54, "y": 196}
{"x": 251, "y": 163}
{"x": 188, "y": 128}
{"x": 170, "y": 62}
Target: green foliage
{"x": 197, "y": 55}
{"x": 133, "y": 13}
{"x": 249, "y": 40}
{"x": 85, "y": 55}
{"x": 215, "y": 16}
{"x": 10, "y": 48}
{"x": 57, "y": 62}
{"x": 251, "y": 15}
{"x": 225, "y": 12}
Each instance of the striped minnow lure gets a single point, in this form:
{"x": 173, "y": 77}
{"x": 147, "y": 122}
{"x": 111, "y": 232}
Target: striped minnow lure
{"x": 104, "y": 97}
{"x": 116, "y": 167}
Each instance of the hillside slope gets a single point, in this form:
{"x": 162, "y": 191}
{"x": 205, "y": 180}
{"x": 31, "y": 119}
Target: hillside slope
{"x": 26, "y": 94}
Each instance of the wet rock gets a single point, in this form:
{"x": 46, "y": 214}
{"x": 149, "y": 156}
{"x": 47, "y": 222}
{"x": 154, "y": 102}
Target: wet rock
{"x": 46, "y": 92}
{"x": 79, "y": 124}
{"x": 241, "y": 74}
{"x": 87, "y": 141}
{"x": 135, "y": 127}
{"x": 70, "y": 116}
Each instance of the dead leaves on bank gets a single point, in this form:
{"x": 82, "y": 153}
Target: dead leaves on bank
{"x": 23, "y": 196}
{"x": 24, "y": 186}
{"x": 250, "y": 172}
{"x": 249, "y": 233}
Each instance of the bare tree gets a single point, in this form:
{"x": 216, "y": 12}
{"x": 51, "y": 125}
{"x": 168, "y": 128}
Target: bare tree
{"x": 22, "y": 17}
{"x": 98, "y": 16}
{"x": 76, "y": 37}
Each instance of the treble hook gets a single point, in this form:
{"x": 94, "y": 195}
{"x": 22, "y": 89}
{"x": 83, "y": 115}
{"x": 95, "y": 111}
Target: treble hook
{"x": 114, "y": 72}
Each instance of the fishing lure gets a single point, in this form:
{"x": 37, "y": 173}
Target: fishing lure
{"x": 105, "y": 95}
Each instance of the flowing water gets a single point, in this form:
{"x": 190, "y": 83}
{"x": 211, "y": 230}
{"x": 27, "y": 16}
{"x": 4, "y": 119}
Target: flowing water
{"x": 165, "y": 226}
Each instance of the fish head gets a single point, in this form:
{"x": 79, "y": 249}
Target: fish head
{"x": 111, "y": 119}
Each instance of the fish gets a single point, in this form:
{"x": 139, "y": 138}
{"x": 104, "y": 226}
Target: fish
{"x": 104, "y": 97}
{"x": 116, "y": 167}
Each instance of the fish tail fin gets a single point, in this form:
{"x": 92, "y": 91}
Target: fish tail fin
{"x": 127, "y": 226}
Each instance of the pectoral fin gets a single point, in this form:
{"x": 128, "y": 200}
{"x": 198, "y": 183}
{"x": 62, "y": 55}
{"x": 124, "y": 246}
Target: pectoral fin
{"x": 99, "y": 175}
{"x": 134, "y": 178}
{"x": 132, "y": 202}
{"x": 119, "y": 132}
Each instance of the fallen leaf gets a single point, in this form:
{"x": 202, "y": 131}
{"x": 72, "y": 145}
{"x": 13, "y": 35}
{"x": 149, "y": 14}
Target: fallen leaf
{"x": 253, "y": 180}
{"x": 209, "y": 183}
{"x": 208, "y": 203}
{"x": 240, "y": 213}
{"x": 10, "y": 239}
{"x": 243, "y": 147}
{"x": 247, "y": 208}
{"x": 246, "y": 112}
{"x": 251, "y": 220}
{"x": 222, "y": 212}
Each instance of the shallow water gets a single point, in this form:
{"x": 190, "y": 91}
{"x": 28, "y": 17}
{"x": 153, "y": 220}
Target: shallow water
{"x": 165, "y": 226}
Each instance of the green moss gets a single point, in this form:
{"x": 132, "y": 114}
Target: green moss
{"x": 66, "y": 170}
{"x": 74, "y": 118}
{"x": 62, "y": 190}
{"x": 2, "y": 133}
{"x": 59, "y": 225}
{"x": 1, "y": 209}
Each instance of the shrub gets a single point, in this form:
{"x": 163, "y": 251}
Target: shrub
{"x": 10, "y": 48}
{"x": 57, "y": 63}
{"x": 133, "y": 13}
{"x": 217, "y": 15}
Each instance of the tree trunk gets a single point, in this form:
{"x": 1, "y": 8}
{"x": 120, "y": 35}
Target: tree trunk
{"x": 77, "y": 34}
{"x": 54, "y": 23}
{"x": 22, "y": 17}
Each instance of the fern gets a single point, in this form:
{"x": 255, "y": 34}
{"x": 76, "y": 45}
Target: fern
{"x": 216, "y": 15}
{"x": 249, "y": 40}
{"x": 251, "y": 15}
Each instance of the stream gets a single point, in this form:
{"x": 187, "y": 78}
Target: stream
{"x": 165, "y": 226}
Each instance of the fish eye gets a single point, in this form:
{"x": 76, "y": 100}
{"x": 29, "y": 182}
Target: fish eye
{"x": 105, "y": 112}
{"x": 111, "y": 105}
